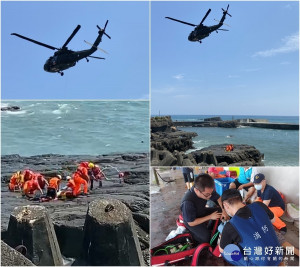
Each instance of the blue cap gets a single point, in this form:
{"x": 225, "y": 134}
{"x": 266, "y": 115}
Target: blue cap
{"x": 258, "y": 178}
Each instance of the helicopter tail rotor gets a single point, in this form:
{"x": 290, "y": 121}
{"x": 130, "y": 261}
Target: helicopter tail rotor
{"x": 226, "y": 11}
{"x": 103, "y": 30}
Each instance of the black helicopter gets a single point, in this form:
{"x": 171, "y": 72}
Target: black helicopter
{"x": 65, "y": 58}
{"x": 200, "y": 32}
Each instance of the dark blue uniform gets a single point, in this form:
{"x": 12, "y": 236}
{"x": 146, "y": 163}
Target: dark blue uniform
{"x": 193, "y": 207}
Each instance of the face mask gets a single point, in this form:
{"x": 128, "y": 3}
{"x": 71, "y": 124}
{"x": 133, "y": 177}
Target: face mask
{"x": 230, "y": 215}
{"x": 258, "y": 186}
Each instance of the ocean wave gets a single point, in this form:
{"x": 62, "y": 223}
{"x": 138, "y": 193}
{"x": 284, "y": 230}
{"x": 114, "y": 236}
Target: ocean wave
{"x": 4, "y": 105}
{"x": 21, "y": 112}
{"x": 57, "y": 111}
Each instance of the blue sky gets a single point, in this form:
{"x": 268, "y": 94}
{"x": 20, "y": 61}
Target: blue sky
{"x": 253, "y": 69}
{"x": 123, "y": 75}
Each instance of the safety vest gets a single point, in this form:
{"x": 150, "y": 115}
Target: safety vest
{"x": 258, "y": 237}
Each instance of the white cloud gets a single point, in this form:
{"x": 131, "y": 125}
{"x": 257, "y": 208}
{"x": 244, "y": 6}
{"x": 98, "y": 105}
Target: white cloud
{"x": 178, "y": 76}
{"x": 285, "y": 63}
{"x": 290, "y": 44}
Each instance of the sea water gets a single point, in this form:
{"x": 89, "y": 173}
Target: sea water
{"x": 75, "y": 127}
{"x": 280, "y": 147}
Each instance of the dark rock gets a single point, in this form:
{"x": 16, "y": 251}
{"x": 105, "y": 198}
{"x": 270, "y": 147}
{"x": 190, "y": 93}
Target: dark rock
{"x": 242, "y": 154}
{"x": 213, "y": 119}
{"x": 11, "y": 257}
{"x": 161, "y": 124}
{"x": 227, "y": 124}
{"x": 10, "y": 108}
{"x": 142, "y": 219}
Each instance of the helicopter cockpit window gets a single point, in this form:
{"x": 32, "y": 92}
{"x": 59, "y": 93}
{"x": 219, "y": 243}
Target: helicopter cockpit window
{"x": 53, "y": 60}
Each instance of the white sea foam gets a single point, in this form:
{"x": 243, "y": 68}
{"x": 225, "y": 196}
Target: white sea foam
{"x": 16, "y": 112}
{"x": 57, "y": 111}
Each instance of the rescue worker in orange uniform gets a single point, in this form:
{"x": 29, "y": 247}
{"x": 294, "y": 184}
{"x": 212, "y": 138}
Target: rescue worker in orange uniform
{"x": 28, "y": 175}
{"x": 41, "y": 180}
{"x": 95, "y": 173}
{"x": 71, "y": 185}
{"x": 16, "y": 181}
{"x": 90, "y": 174}
{"x": 30, "y": 187}
{"x": 53, "y": 187}
{"x": 81, "y": 177}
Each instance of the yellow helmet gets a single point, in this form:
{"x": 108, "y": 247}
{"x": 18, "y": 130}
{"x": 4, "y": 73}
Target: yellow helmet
{"x": 91, "y": 165}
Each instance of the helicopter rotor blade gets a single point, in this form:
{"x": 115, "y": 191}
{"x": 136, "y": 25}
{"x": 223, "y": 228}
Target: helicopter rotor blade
{"x": 97, "y": 57}
{"x": 187, "y": 23}
{"x": 34, "y": 41}
{"x": 96, "y": 47}
{"x": 226, "y": 11}
{"x": 222, "y": 30}
{"x": 207, "y": 13}
{"x": 223, "y": 23}
{"x": 103, "y": 30}
{"x": 71, "y": 36}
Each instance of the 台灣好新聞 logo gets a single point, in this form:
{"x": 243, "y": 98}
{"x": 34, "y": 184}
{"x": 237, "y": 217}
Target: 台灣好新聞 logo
{"x": 232, "y": 253}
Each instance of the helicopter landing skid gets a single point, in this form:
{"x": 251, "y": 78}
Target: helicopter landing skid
{"x": 61, "y": 73}
{"x": 87, "y": 60}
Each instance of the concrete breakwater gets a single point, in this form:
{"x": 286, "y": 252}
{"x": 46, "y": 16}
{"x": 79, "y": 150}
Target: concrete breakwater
{"x": 236, "y": 123}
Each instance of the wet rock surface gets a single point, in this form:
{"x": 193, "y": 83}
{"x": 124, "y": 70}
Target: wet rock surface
{"x": 167, "y": 142}
{"x": 10, "y": 108}
{"x": 242, "y": 155}
{"x": 69, "y": 216}
{"x": 169, "y": 146}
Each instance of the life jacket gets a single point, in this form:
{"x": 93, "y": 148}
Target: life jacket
{"x": 82, "y": 172}
{"x": 31, "y": 185}
{"x": 256, "y": 231}
{"x": 71, "y": 184}
{"x": 54, "y": 183}
{"x": 229, "y": 147}
{"x": 84, "y": 164}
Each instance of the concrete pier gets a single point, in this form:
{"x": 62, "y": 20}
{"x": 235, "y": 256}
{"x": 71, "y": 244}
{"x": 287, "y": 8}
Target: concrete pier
{"x": 110, "y": 237}
{"x": 246, "y": 122}
{"x": 31, "y": 226}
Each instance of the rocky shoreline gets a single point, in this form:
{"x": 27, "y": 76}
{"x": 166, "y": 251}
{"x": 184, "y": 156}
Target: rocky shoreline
{"x": 169, "y": 146}
{"x": 69, "y": 216}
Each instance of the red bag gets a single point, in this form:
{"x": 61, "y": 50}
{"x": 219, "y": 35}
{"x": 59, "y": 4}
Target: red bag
{"x": 171, "y": 258}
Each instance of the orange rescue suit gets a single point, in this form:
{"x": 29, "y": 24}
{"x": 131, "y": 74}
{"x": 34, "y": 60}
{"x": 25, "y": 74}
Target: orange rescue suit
{"x": 54, "y": 183}
{"x": 79, "y": 178}
{"x": 30, "y": 186}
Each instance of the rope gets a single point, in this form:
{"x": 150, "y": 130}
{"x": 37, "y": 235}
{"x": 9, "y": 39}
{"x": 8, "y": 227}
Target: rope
{"x": 163, "y": 179}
